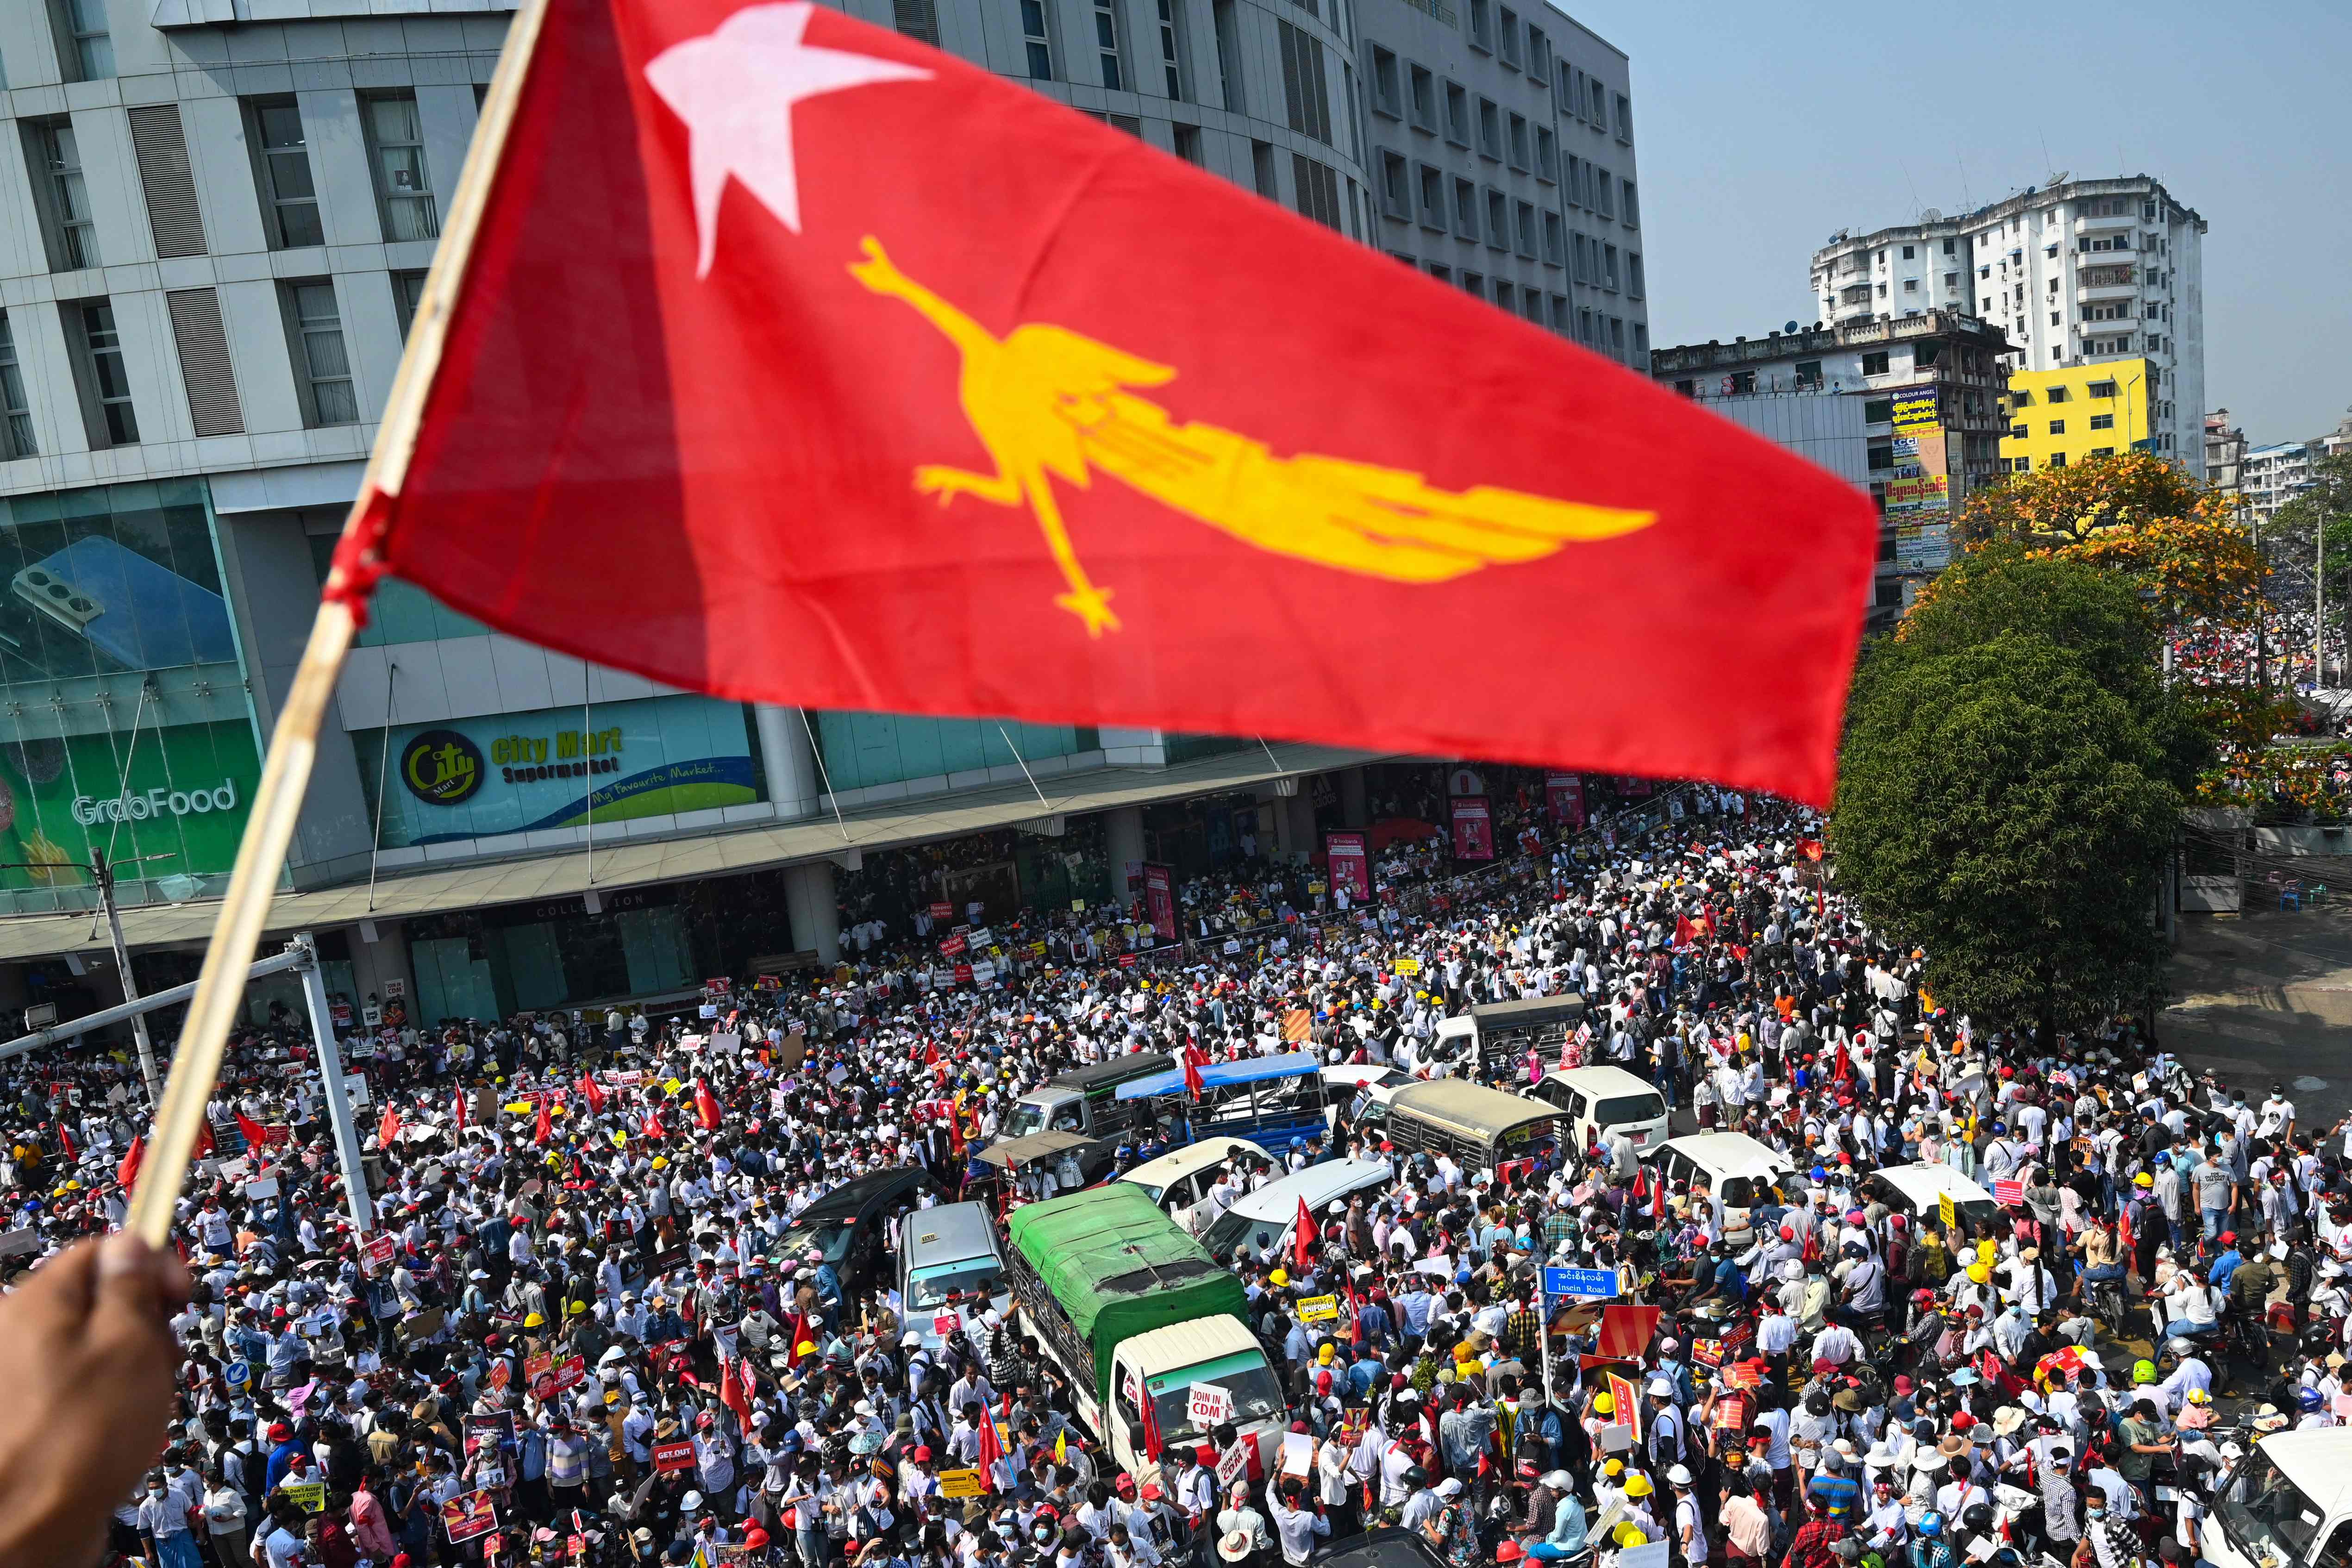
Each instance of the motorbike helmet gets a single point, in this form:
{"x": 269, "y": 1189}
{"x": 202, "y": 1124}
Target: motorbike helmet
{"x": 2143, "y": 1373}
{"x": 2307, "y": 1398}
{"x": 1923, "y": 1297}
{"x": 1416, "y": 1476}
{"x": 1977, "y": 1517}
{"x": 1931, "y": 1525}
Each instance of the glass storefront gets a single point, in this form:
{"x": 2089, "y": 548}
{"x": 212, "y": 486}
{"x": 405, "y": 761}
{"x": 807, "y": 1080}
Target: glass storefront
{"x": 124, "y": 722}
{"x": 399, "y": 611}
{"x": 518, "y": 773}
{"x": 862, "y": 749}
{"x": 1004, "y": 872}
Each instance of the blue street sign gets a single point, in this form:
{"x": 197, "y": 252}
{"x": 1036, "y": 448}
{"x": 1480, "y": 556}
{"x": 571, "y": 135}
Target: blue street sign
{"x": 1598, "y": 1284}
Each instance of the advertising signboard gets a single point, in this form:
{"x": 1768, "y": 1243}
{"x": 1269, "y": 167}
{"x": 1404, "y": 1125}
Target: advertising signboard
{"x": 1473, "y": 828}
{"x": 1160, "y": 900}
{"x": 1351, "y": 865}
{"x": 513, "y": 773}
{"x": 184, "y": 799}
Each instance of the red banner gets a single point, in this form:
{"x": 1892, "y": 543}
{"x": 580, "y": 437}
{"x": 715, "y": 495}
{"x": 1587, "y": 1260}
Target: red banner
{"x": 377, "y": 1255}
{"x": 1160, "y": 900}
{"x": 1474, "y": 828}
{"x": 952, "y": 947}
{"x": 1564, "y": 792}
{"x": 669, "y": 1456}
{"x": 963, "y": 974}
{"x": 1350, "y": 865}
{"x": 943, "y": 912}
{"x": 546, "y": 1384}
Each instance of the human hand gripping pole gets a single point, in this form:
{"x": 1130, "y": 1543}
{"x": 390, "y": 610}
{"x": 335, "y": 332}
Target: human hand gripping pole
{"x": 294, "y": 743}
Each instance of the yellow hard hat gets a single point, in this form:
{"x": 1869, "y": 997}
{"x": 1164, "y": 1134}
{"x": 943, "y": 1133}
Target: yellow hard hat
{"x": 806, "y": 1347}
{"x": 534, "y": 1320}
{"x": 1613, "y": 1469}
{"x": 1604, "y": 1405}
{"x": 1638, "y": 1485}
{"x": 577, "y": 1308}
{"x": 1979, "y": 1273}
{"x": 1278, "y": 1278}
{"x": 661, "y": 1162}
{"x": 1629, "y": 1533}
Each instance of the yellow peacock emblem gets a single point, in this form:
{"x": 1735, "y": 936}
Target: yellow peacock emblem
{"x": 1045, "y": 401}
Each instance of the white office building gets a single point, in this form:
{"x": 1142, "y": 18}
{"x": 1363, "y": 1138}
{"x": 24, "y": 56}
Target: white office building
{"x": 2076, "y": 272}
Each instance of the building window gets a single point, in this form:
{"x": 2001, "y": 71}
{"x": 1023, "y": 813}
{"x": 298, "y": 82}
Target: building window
{"x": 1738, "y": 384}
{"x": 1106, "y": 44}
{"x": 322, "y": 367}
{"x": 1907, "y": 253}
{"x": 1499, "y": 220}
{"x": 408, "y": 296}
{"x": 1490, "y": 129}
{"x": 1425, "y": 99}
{"x": 56, "y": 155}
{"x": 1473, "y": 283}
{"x": 1555, "y": 243}
{"x": 2055, "y": 394}
{"x": 1809, "y": 371}
{"x": 1482, "y": 27}
{"x": 2057, "y": 427}
{"x": 1457, "y": 114}
{"x": 1306, "y": 97}
{"x": 1624, "y": 117}
{"x": 2057, "y": 460}
{"x": 1168, "y": 53}
{"x": 106, "y": 378}
{"x": 2102, "y": 452}
{"x": 1041, "y": 53}
{"x": 1506, "y": 295}
{"x": 1466, "y": 209}
{"x": 1188, "y": 145}
{"x": 1874, "y": 364}
{"x": 1609, "y": 268}
{"x": 1525, "y": 229}
{"x": 1547, "y": 155}
{"x": 2020, "y": 431}
{"x": 1882, "y": 456}
{"x": 1433, "y": 199}
{"x": 1318, "y": 190}
{"x": 289, "y": 203}
{"x": 2103, "y": 422}
{"x": 1388, "y": 95}
{"x": 2100, "y": 390}
{"x": 1879, "y": 411}
{"x": 86, "y": 50}
{"x": 1510, "y": 29}
{"x": 1632, "y": 214}
{"x": 917, "y": 19}
{"x": 1602, "y": 201}
{"x": 15, "y": 413}
{"x": 404, "y": 185}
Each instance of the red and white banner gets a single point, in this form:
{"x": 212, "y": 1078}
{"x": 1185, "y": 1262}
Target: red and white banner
{"x": 1564, "y": 792}
{"x": 1474, "y": 828}
{"x": 1350, "y": 865}
{"x": 1160, "y": 901}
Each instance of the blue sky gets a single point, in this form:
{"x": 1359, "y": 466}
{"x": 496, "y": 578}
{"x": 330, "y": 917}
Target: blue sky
{"x": 1763, "y": 127}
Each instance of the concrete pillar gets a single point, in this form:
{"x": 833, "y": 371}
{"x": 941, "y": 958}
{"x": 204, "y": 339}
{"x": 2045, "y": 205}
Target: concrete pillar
{"x": 816, "y": 916}
{"x": 1273, "y": 823}
{"x": 1299, "y": 812}
{"x": 1352, "y": 797}
{"x": 1122, "y": 847}
{"x": 793, "y": 779}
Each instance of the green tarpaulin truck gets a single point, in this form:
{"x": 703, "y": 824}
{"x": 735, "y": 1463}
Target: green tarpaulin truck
{"x": 1131, "y": 1307}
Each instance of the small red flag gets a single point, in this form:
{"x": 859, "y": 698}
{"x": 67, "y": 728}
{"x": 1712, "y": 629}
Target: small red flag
{"x": 1152, "y": 1441}
{"x": 799, "y": 1337}
{"x": 206, "y": 1143}
{"x": 460, "y": 1098}
{"x": 1684, "y": 932}
{"x": 653, "y": 1127}
{"x": 250, "y": 1131}
{"x": 1069, "y": 442}
{"x": 127, "y": 1173}
{"x": 705, "y": 1107}
{"x": 389, "y": 1128}
{"x": 992, "y": 1447}
{"x": 1192, "y": 1084}
{"x": 544, "y": 1127}
{"x": 1302, "y": 1243}
{"x": 64, "y": 1143}
{"x": 1811, "y": 848}
{"x": 591, "y": 1094}
{"x": 732, "y": 1392}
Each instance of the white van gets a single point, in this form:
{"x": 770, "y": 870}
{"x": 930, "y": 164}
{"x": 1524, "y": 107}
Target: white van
{"x": 1183, "y": 1177}
{"x": 2287, "y": 1504}
{"x": 1917, "y": 1193}
{"x": 1596, "y": 1099}
{"x": 1262, "y": 1224}
{"x": 1737, "y": 1170}
{"x": 1344, "y": 1085}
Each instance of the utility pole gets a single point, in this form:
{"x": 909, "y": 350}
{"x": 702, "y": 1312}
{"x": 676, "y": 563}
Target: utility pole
{"x": 339, "y": 1105}
{"x": 102, "y": 877}
{"x": 2318, "y": 609}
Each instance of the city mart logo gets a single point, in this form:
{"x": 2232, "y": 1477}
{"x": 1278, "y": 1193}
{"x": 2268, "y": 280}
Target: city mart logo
{"x": 441, "y": 768}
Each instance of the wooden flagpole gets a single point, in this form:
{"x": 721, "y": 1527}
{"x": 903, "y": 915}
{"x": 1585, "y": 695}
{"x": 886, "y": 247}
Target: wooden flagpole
{"x": 294, "y": 744}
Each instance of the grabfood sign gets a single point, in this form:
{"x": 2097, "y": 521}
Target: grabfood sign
{"x": 156, "y": 802}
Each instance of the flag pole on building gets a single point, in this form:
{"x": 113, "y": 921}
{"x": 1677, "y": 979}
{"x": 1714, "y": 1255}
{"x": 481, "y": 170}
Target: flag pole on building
{"x": 294, "y": 744}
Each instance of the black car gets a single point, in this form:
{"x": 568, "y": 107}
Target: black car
{"x": 846, "y": 1225}
{"x": 1386, "y": 1547}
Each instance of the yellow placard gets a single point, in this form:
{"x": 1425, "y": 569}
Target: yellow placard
{"x": 961, "y": 1483}
{"x": 517, "y": 1108}
{"x": 310, "y": 1497}
{"x": 1945, "y": 1212}
{"x": 1408, "y": 966}
{"x": 1319, "y": 1310}
{"x": 674, "y": 1085}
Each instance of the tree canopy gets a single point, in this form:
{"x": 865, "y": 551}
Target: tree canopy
{"x": 2012, "y": 776}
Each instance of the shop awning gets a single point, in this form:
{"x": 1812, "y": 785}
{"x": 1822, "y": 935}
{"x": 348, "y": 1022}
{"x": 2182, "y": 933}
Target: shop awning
{"x": 638, "y": 862}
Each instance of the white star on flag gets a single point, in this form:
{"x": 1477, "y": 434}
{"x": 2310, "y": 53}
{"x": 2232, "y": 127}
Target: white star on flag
{"x": 735, "y": 89}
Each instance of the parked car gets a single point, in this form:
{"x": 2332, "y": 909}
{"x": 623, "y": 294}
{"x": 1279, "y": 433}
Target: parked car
{"x": 846, "y": 1225}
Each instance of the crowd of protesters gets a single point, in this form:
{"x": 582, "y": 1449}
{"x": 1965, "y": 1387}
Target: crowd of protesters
{"x": 584, "y": 1325}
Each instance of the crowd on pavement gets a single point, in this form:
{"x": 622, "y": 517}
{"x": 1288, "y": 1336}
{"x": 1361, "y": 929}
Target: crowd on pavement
{"x": 585, "y": 1323}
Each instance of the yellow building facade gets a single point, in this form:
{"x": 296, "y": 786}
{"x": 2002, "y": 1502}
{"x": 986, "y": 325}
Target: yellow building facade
{"x": 2062, "y": 415}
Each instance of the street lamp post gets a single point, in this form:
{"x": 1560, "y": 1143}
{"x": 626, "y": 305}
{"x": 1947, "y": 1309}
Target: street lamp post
{"x": 102, "y": 876}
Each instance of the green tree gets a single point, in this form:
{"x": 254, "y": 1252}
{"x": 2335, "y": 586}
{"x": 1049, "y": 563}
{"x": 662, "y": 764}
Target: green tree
{"x": 2325, "y": 511}
{"x": 2010, "y": 783}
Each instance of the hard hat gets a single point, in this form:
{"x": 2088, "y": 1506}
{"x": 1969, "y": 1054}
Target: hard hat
{"x": 1979, "y": 1273}
{"x": 1629, "y": 1534}
{"x": 2142, "y": 1371}
{"x": 1280, "y": 1277}
{"x": 1604, "y": 1405}
{"x": 534, "y": 1320}
{"x": 1638, "y": 1485}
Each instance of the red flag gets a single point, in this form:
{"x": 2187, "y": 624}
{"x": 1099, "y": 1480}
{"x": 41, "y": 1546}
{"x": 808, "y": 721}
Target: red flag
{"x": 706, "y": 1108}
{"x": 992, "y": 1449}
{"x": 206, "y": 1143}
{"x": 461, "y": 1110}
{"x": 732, "y": 1393}
{"x": 1811, "y": 848}
{"x": 1152, "y": 1441}
{"x": 1049, "y": 455}
{"x": 64, "y": 1143}
{"x": 799, "y": 1337}
{"x": 249, "y": 1130}
{"x": 955, "y": 1135}
{"x": 127, "y": 1173}
{"x": 544, "y": 1127}
{"x": 653, "y": 1127}
{"x": 1192, "y": 1083}
{"x": 591, "y": 1094}
{"x": 389, "y": 1128}
{"x": 1302, "y": 1244}
{"x": 1355, "y": 1316}
{"x": 1684, "y": 932}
